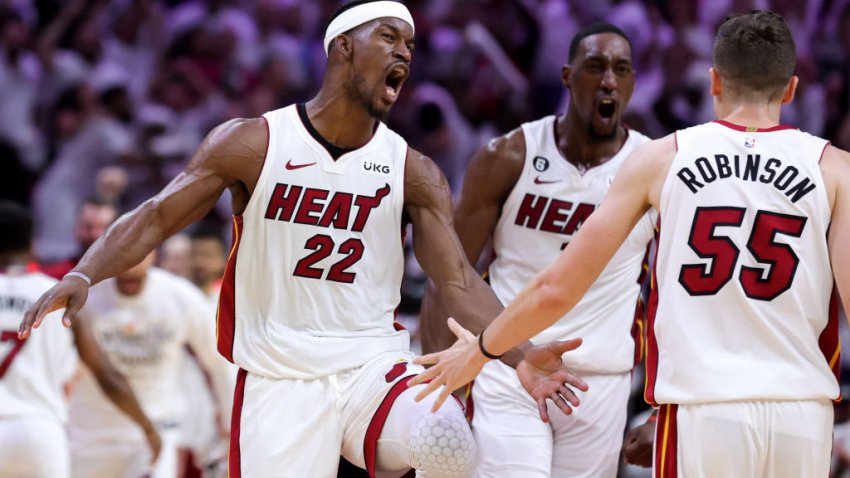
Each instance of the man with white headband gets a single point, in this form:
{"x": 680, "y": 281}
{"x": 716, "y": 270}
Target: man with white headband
{"x": 321, "y": 194}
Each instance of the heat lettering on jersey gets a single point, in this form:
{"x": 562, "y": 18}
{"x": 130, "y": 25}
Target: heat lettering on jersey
{"x": 751, "y": 168}
{"x": 552, "y": 215}
{"x": 311, "y": 206}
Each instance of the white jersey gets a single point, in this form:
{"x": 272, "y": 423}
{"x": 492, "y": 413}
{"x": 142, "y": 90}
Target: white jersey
{"x": 33, "y": 372}
{"x": 144, "y": 336}
{"x": 546, "y": 207}
{"x": 743, "y": 273}
{"x": 313, "y": 277}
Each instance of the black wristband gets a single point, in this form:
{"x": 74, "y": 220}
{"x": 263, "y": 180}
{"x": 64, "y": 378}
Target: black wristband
{"x": 484, "y": 351}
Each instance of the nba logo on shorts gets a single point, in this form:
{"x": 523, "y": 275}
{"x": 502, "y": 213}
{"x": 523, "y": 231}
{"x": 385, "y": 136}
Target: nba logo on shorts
{"x": 750, "y": 142}
{"x": 540, "y": 163}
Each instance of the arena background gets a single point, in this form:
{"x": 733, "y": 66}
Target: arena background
{"x": 110, "y": 99}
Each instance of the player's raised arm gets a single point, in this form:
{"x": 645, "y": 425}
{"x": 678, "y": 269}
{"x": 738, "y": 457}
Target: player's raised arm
{"x": 560, "y": 286}
{"x": 230, "y": 157}
{"x": 112, "y": 383}
{"x": 491, "y": 175}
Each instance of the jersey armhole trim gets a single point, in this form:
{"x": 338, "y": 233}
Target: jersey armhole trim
{"x": 263, "y": 172}
{"x": 521, "y": 170}
{"x": 823, "y": 151}
{"x": 676, "y": 140}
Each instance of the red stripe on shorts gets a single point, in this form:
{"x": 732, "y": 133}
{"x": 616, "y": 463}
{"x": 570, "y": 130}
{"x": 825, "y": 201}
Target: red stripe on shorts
{"x": 226, "y": 315}
{"x": 234, "y": 458}
{"x": 376, "y": 426}
{"x": 666, "y": 442}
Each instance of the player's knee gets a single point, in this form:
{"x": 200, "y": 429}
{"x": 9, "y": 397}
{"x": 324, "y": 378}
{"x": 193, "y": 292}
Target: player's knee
{"x": 442, "y": 444}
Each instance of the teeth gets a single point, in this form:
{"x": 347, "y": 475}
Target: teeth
{"x": 391, "y": 92}
{"x": 607, "y": 101}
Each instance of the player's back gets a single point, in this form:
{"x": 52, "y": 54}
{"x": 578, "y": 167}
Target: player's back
{"x": 742, "y": 305}
{"x": 33, "y": 372}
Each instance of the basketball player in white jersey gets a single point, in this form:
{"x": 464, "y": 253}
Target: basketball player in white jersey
{"x": 143, "y": 319}
{"x": 530, "y": 191}
{"x": 320, "y": 194}
{"x": 34, "y": 372}
{"x": 754, "y": 227}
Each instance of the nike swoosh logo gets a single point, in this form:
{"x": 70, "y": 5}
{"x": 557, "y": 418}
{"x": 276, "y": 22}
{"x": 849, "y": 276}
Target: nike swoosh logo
{"x": 537, "y": 180}
{"x": 291, "y": 166}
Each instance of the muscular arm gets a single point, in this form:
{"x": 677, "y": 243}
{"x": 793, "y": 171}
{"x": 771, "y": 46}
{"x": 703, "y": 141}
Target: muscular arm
{"x": 459, "y": 290}
{"x": 231, "y": 156}
{"x": 110, "y": 380}
{"x": 491, "y": 176}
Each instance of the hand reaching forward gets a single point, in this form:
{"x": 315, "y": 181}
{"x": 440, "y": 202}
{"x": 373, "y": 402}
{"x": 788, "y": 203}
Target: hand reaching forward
{"x": 545, "y": 377}
{"x": 70, "y": 293}
{"x": 453, "y": 367}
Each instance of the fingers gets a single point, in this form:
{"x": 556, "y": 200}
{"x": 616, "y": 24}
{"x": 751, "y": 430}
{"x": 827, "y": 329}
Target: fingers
{"x": 543, "y": 409}
{"x": 569, "y": 396}
{"x": 576, "y": 382}
{"x": 26, "y": 324}
{"x": 70, "y": 311}
{"x": 444, "y": 394}
{"x": 429, "y": 359}
{"x": 428, "y": 390}
{"x": 459, "y": 331}
{"x": 32, "y": 319}
{"x": 563, "y": 346}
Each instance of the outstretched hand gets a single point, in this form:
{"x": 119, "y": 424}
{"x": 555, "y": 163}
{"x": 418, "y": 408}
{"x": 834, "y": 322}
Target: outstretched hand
{"x": 70, "y": 293}
{"x": 545, "y": 377}
{"x": 452, "y": 368}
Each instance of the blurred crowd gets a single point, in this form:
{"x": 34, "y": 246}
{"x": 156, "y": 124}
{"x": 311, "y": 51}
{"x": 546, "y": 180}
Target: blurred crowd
{"x": 112, "y": 97}
{"x": 103, "y": 102}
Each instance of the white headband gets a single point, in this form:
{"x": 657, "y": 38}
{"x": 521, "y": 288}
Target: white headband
{"x": 356, "y": 16}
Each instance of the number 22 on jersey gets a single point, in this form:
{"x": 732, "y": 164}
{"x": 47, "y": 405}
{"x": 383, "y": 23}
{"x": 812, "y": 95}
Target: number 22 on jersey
{"x": 778, "y": 258}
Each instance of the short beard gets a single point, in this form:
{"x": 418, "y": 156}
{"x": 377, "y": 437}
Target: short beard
{"x": 602, "y": 138}
{"x": 360, "y": 93}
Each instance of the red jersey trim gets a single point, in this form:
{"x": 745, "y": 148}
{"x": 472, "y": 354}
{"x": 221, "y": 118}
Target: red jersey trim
{"x": 376, "y": 426}
{"x": 666, "y": 442}
{"x": 639, "y": 322}
{"x": 750, "y": 129}
{"x": 234, "y": 459}
{"x": 824, "y": 151}
{"x": 226, "y": 314}
{"x": 829, "y": 342}
{"x": 651, "y": 341}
